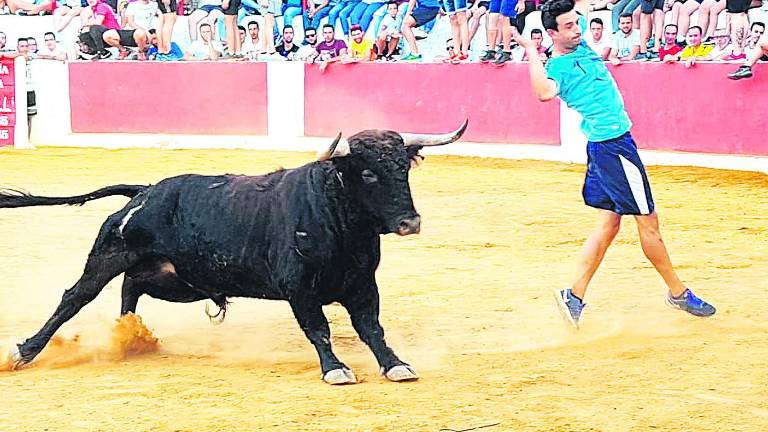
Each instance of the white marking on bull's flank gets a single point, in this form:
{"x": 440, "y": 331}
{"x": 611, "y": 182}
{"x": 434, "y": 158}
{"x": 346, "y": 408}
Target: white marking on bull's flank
{"x": 301, "y": 233}
{"x": 128, "y": 216}
{"x": 338, "y": 175}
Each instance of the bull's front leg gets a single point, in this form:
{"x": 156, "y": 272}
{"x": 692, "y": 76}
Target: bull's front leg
{"x": 363, "y": 308}
{"x": 309, "y": 313}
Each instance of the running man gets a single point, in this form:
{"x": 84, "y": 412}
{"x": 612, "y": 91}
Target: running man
{"x": 616, "y": 183}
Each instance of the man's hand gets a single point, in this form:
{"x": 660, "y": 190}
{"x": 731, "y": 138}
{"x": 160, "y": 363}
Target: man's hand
{"x": 520, "y": 6}
{"x": 690, "y": 61}
{"x": 522, "y": 41}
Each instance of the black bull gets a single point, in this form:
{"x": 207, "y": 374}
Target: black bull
{"x": 308, "y": 235}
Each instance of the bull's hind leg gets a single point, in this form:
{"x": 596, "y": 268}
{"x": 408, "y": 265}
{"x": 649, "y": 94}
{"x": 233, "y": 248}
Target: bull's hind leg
{"x": 104, "y": 263}
{"x": 363, "y": 308}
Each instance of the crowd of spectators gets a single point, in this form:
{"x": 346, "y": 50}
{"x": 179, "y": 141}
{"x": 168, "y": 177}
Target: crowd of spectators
{"x": 370, "y": 30}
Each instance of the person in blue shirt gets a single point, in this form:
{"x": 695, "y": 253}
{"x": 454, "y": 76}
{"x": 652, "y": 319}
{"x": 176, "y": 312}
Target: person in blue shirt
{"x": 616, "y": 183}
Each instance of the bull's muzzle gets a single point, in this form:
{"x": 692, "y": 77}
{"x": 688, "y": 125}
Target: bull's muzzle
{"x": 411, "y": 225}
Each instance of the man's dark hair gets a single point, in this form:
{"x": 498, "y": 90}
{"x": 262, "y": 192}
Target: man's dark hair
{"x": 205, "y": 25}
{"x": 287, "y": 26}
{"x": 328, "y": 26}
{"x": 536, "y": 31}
{"x": 757, "y": 23}
{"x": 626, "y": 15}
{"x": 553, "y": 9}
{"x": 49, "y": 34}
{"x": 22, "y": 39}
{"x": 355, "y": 27}
{"x": 241, "y": 28}
{"x": 391, "y": 3}
{"x": 152, "y": 31}
{"x": 255, "y": 23}
{"x": 671, "y": 25}
{"x": 30, "y": 39}
{"x": 308, "y": 29}
{"x": 696, "y": 27}
{"x": 596, "y": 21}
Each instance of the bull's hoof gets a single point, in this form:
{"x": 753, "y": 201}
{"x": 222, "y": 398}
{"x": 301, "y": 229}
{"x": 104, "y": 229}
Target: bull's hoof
{"x": 339, "y": 377}
{"x": 401, "y": 373}
{"x": 14, "y": 360}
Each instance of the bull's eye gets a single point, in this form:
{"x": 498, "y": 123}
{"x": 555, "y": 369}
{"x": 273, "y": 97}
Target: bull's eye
{"x": 369, "y": 177}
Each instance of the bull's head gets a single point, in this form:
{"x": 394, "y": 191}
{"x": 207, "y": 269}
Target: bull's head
{"x": 374, "y": 167}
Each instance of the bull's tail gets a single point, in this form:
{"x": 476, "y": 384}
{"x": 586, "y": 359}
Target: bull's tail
{"x": 12, "y": 198}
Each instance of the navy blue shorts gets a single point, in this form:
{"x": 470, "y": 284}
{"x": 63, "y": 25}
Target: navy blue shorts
{"x": 616, "y": 178}
{"x": 424, "y": 14}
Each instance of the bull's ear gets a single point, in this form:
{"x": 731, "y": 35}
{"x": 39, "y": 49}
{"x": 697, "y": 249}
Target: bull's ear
{"x": 413, "y": 155}
{"x": 338, "y": 148}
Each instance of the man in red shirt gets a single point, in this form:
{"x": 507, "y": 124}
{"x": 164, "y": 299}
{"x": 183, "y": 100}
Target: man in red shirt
{"x": 670, "y": 51}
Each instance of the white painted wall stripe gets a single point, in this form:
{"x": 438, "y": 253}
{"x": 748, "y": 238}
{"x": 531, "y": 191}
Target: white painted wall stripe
{"x": 285, "y": 99}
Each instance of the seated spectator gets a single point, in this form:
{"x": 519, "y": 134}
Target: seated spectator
{"x": 100, "y": 14}
{"x": 695, "y": 50}
{"x": 683, "y": 9}
{"x": 139, "y": 14}
{"x": 363, "y": 14}
{"x": 360, "y": 48}
{"x": 270, "y": 9}
{"x": 417, "y": 16}
{"x": 64, "y": 13}
{"x": 745, "y": 70}
{"x": 389, "y": 33}
{"x": 330, "y": 48}
{"x": 709, "y": 11}
{"x": 208, "y": 11}
{"x": 670, "y": 51}
{"x": 317, "y": 10}
{"x": 51, "y": 50}
{"x": 241, "y": 35}
{"x": 23, "y": 7}
{"x": 204, "y": 48}
{"x": 626, "y": 41}
{"x": 341, "y": 13}
{"x": 230, "y": 9}
{"x": 292, "y": 9}
{"x": 597, "y": 40}
{"x": 538, "y": 38}
{"x": 287, "y": 48}
{"x": 651, "y": 24}
{"x": 93, "y": 38}
{"x": 307, "y": 51}
{"x": 722, "y": 48}
{"x": 152, "y": 53}
{"x": 756, "y": 30}
{"x": 253, "y": 45}
{"x": 32, "y": 45}
{"x": 3, "y": 42}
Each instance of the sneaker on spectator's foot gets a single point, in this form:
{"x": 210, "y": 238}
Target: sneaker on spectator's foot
{"x": 743, "y": 71}
{"x": 503, "y": 58}
{"x": 101, "y": 55}
{"x": 570, "y": 306}
{"x": 123, "y": 54}
{"x": 418, "y": 33}
{"x": 460, "y": 58}
{"x": 690, "y": 303}
{"x": 642, "y": 57}
{"x": 488, "y": 56}
{"x": 411, "y": 57}
{"x": 450, "y": 58}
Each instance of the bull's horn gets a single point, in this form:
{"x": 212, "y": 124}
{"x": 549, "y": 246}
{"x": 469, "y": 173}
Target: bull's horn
{"x": 339, "y": 147}
{"x": 426, "y": 140}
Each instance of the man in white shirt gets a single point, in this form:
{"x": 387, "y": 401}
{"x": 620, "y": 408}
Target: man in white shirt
{"x": 597, "y": 40}
{"x": 204, "y": 48}
{"x": 252, "y": 45}
{"x": 140, "y": 14}
{"x": 50, "y": 49}
{"x": 626, "y": 41}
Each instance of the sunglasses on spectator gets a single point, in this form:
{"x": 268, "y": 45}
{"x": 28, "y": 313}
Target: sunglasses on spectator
{"x": 311, "y": 35}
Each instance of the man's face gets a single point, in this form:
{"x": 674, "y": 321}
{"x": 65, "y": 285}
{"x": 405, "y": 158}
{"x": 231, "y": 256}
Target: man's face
{"x": 596, "y": 30}
{"x": 392, "y": 10}
{"x": 328, "y": 34}
{"x": 693, "y": 38}
{"x": 538, "y": 39}
{"x": 568, "y": 34}
{"x": 722, "y": 39}
{"x": 241, "y": 32}
{"x": 756, "y": 32}
{"x": 670, "y": 35}
{"x": 288, "y": 35}
{"x": 3, "y": 40}
{"x": 357, "y": 36}
{"x": 205, "y": 33}
{"x": 625, "y": 24}
{"x": 253, "y": 31}
{"x": 152, "y": 39}
{"x": 311, "y": 37}
{"x": 32, "y": 45}
{"x": 50, "y": 42}
{"x": 23, "y": 47}
{"x": 93, "y": 3}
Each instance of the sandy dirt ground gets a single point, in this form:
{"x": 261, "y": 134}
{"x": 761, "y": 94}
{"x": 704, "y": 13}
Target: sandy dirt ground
{"x": 467, "y": 302}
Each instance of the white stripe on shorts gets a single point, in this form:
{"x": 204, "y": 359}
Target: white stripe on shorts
{"x": 635, "y": 179}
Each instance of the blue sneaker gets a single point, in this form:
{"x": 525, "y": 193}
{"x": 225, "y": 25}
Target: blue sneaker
{"x": 691, "y": 304}
{"x": 570, "y": 307}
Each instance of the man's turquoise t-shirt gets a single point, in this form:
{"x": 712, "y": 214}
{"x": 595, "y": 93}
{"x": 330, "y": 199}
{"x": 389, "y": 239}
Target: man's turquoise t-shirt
{"x": 584, "y": 83}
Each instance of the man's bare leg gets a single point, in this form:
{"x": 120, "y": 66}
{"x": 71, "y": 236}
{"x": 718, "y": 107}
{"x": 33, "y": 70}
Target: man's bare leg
{"x": 593, "y": 251}
{"x": 656, "y": 252}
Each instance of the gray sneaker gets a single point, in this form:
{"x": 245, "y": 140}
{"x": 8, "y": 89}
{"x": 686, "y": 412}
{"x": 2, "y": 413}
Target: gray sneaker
{"x": 570, "y": 307}
{"x": 690, "y": 303}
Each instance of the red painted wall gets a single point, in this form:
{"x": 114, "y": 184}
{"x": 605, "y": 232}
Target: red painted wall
{"x": 429, "y": 98}
{"x": 154, "y": 97}
{"x": 697, "y": 109}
